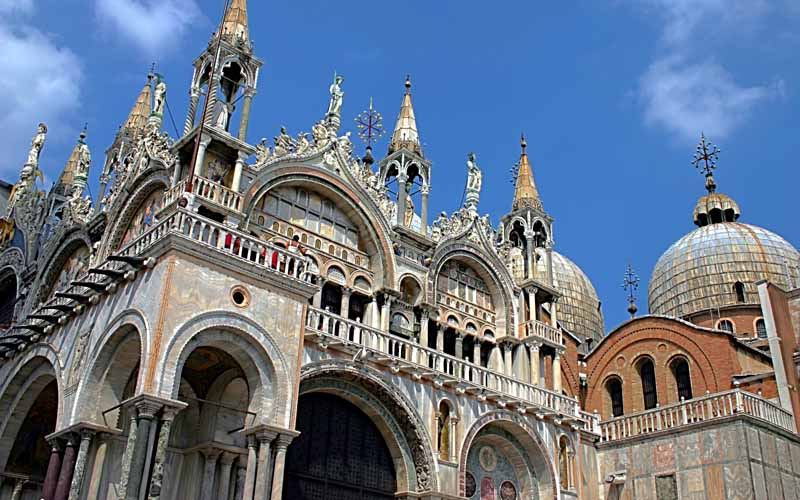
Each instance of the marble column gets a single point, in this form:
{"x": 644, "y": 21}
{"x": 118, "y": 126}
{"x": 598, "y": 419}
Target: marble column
{"x": 127, "y": 457}
{"x": 424, "y": 194}
{"x": 459, "y": 345}
{"x": 199, "y": 166}
{"x": 281, "y": 445}
{"x": 376, "y": 314}
{"x": 263, "y": 471}
{"x": 96, "y": 475}
{"x": 549, "y": 255}
{"x": 536, "y": 371}
{"x": 557, "y": 371}
{"x": 209, "y": 471}
{"x": 80, "y": 465}
{"x": 532, "y": 305}
{"x": 237, "y": 172}
{"x": 345, "y": 306}
{"x": 53, "y": 469}
{"x": 385, "y": 312}
{"x": 238, "y": 490}
{"x": 507, "y": 361}
{"x": 176, "y": 172}
{"x": 401, "y": 199}
{"x": 67, "y": 469}
{"x": 146, "y": 411}
{"x": 476, "y": 351}
{"x": 316, "y": 301}
{"x": 497, "y": 355}
{"x": 211, "y": 99}
{"x": 157, "y": 481}
{"x": 249, "y": 92}
{"x": 423, "y": 328}
{"x": 440, "y": 329}
{"x": 16, "y": 493}
{"x": 252, "y": 464}
{"x": 226, "y": 462}
{"x": 530, "y": 256}
{"x": 554, "y": 313}
{"x": 192, "y": 114}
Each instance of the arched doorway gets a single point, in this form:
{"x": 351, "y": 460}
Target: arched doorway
{"x": 340, "y": 453}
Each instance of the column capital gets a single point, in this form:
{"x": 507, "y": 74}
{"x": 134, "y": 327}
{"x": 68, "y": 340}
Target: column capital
{"x": 227, "y": 458}
{"x": 425, "y": 190}
{"x": 284, "y": 440}
{"x": 532, "y": 290}
{"x": 250, "y": 91}
{"x": 534, "y": 344}
{"x": 559, "y": 351}
{"x": 346, "y": 290}
{"x": 242, "y": 157}
{"x": 211, "y": 453}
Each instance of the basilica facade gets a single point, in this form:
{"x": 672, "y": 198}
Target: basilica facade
{"x": 288, "y": 321}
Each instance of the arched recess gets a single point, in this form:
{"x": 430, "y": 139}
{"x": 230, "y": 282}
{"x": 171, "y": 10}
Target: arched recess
{"x": 62, "y": 263}
{"x": 111, "y": 377}
{"x": 9, "y": 289}
{"x": 359, "y": 206}
{"x": 30, "y": 409}
{"x": 507, "y": 436}
{"x": 248, "y": 347}
{"x": 493, "y": 274}
{"x": 410, "y": 290}
{"x": 403, "y": 431}
{"x": 125, "y": 210}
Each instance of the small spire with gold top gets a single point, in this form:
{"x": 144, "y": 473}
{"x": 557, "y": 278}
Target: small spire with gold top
{"x": 630, "y": 283}
{"x": 405, "y": 133}
{"x": 525, "y": 192}
{"x": 712, "y": 207}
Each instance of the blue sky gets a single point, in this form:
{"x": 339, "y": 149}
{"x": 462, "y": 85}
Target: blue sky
{"x": 612, "y": 96}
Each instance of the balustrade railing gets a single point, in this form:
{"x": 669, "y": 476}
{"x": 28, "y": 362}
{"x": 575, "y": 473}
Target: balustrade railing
{"x": 543, "y": 331}
{"x": 702, "y": 409}
{"x": 207, "y": 190}
{"x": 225, "y": 240}
{"x": 438, "y": 365}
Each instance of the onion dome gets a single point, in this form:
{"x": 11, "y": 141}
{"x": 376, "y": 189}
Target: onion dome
{"x": 579, "y": 306}
{"x": 718, "y": 264}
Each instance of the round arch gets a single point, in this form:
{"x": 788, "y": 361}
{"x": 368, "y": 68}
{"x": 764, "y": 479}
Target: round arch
{"x": 26, "y": 379}
{"x": 253, "y": 348}
{"x": 367, "y": 215}
{"x": 527, "y": 437}
{"x": 494, "y": 275}
{"x": 56, "y": 256}
{"x": 401, "y": 427}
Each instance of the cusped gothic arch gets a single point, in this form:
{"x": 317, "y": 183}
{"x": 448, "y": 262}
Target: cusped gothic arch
{"x": 533, "y": 446}
{"x": 371, "y": 224}
{"x": 488, "y": 267}
{"x": 251, "y": 346}
{"x": 120, "y": 214}
{"x": 402, "y": 428}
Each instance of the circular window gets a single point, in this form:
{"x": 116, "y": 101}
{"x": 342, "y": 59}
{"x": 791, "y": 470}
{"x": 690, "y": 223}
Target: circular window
{"x": 240, "y": 296}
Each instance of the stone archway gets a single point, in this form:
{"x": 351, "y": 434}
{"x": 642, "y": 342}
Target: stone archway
{"x": 504, "y": 453}
{"x": 400, "y": 427}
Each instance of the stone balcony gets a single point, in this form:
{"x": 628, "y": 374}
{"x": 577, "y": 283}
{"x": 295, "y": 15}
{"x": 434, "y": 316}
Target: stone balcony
{"x": 213, "y": 193}
{"x": 398, "y": 355}
{"x": 535, "y": 329}
{"x": 708, "y": 408}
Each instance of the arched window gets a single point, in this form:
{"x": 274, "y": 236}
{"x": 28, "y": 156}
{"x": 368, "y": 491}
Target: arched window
{"x": 614, "y": 389}
{"x": 761, "y": 328}
{"x": 647, "y": 372}
{"x": 443, "y": 431}
{"x": 680, "y": 370}
{"x": 738, "y": 287}
{"x": 725, "y": 325}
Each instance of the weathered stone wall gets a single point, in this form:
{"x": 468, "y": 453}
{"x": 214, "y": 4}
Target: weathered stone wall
{"x": 734, "y": 459}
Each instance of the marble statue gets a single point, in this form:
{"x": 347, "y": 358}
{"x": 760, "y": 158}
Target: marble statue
{"x": 223, "y": 116}
{"x": 337, "y": 96}
{"x": 37, "y": 143}
{"x": 474, "y": 182}
{"x": 160, "y": 97}
{"x": 284, "y": 144}
{"x": 408, "y": 216}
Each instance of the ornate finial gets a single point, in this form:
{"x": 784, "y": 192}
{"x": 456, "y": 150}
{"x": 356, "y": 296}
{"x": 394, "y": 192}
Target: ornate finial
{"x": 84, "y": 133}
{"x": 705, "y": 159}
{"x": 631, "y": 283}
{"x": 523, "y": 143}
{"x": 408, "y": 83}
{"x": 370, "y": 125}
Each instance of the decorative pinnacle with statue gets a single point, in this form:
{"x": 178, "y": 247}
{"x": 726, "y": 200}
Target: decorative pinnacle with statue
{"x": 334, "y": 115}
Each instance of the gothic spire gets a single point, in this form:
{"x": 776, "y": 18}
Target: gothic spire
{"x": 234, "y": 26}
{"x": 525, "y": 193}
{"x": 405, "y": 133}
{"x": 76, "y": 170}
{"x": 137, "y": 118}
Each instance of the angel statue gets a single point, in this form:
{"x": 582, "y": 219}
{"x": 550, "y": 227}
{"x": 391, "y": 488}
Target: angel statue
{"x": 160, "y": 97}
{"x": 262, "y": 151}
{"x": 474, "y": 182}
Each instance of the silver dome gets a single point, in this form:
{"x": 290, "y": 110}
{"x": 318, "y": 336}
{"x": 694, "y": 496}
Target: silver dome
{"x": 579, "y": 307}
{"x": 699, "y": 271}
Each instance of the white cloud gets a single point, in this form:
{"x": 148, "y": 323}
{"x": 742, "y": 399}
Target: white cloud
{"x": 686, "y": 94}
{"x": 40, "y": 81}
{"x": 154, "y": 26}
{"x": 16, "y": 6}
{"x": 687, "y": 98}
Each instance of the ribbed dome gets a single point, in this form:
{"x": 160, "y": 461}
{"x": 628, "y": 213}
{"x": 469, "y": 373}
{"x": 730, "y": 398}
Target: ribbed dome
{"x": 579, "y": 307}
{"x": 700, "y": 271}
